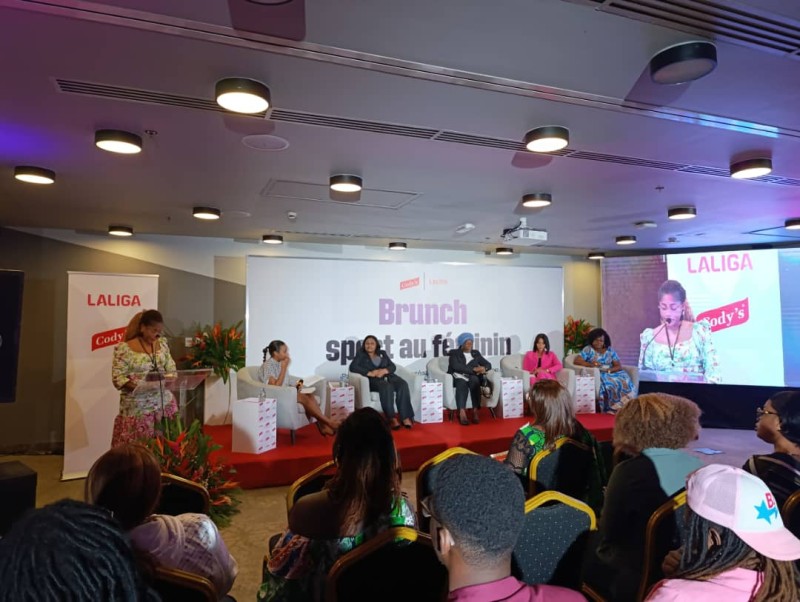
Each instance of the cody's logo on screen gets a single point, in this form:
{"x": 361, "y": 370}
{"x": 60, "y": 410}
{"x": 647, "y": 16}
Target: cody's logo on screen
{"x": 107, "y": 338}
{"x": 727, "y": 316}
{"x": 113, "y": 300}
{"x": 410, "y": 283}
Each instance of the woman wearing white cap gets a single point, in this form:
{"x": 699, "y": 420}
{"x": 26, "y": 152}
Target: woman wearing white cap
{"x": 736, "y": 547}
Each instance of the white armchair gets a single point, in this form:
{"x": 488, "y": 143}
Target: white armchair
{"x": 569, "y": 364}
{"x": 512, "y": 367}
{"x": 370, "y": 399}
{"x": 437, "y": 369}
{"x": 291, "y": 414}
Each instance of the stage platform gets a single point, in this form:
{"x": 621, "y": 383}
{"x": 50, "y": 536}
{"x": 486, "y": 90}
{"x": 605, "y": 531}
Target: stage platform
{"x": 284, "y": 464}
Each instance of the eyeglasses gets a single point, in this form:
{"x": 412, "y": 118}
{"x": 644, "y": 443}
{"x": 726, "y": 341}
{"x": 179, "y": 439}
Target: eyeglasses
{"x": 426, "y": 509}
{"x": 761, "y": 411}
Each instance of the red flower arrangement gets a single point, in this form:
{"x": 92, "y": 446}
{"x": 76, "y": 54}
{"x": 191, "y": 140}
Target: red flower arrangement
{"x": 575, "y": 332}
{"x": 221, "y": 349}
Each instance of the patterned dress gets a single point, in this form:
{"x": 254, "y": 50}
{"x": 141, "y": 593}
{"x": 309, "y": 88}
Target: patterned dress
{"x": 138, "y": 416}
{"x": 299, "y": 566}
{"x": 615, "y": 387}
{"x": 697, "y": 355}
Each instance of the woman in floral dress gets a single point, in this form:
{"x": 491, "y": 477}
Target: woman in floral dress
{"x": 616, "y": 386}
{"x": 144, "y": 350}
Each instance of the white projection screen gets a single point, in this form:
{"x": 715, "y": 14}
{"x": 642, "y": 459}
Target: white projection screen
{"x": 323, "y": 308}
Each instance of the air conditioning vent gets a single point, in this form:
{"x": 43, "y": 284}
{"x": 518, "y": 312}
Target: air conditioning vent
{"x": 344, "y": 123}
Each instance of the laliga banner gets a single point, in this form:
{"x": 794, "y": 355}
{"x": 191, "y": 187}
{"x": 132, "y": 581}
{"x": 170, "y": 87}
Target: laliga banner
{"x": 322, "y": 309}
{"x": 738, "y": 293}
{"x": 99, "y": 308}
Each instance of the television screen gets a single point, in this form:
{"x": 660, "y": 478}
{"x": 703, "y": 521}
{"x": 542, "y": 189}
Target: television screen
{"x": 729, "y": 317}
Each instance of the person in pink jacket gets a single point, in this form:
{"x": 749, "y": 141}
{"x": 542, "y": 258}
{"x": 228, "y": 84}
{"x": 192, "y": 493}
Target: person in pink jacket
{"x": 541, "y": 362}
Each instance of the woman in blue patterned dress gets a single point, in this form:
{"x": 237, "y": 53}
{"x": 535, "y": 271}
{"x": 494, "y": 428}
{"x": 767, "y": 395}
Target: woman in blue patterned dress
{"x": 616, "y": 386}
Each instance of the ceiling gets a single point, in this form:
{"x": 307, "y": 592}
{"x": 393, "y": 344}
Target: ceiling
{"x": 428, "y": 101}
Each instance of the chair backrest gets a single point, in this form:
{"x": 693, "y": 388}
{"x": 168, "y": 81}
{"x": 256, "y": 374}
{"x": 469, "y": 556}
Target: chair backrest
{"x": 311, "y": 482}
{"x": 179, "y": 496}
{"x": 566, "y": 468}
{"x": 782, "y": 478}
{"x": 513, "y": 361}
{"x": 174, "y": 584}
{"x": 425, "y": 476}
{"x": 370, "y": 572}
{"x": 791, "y": 513}
{"x": 553, "y": 540}
{"x": 663, "y": 533}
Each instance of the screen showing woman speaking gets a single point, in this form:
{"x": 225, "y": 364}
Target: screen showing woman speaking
{"x": 729, "y": 317}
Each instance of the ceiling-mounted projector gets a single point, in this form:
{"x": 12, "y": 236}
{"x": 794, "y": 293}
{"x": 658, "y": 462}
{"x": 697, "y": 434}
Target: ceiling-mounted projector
{"x": 523, "y": 235}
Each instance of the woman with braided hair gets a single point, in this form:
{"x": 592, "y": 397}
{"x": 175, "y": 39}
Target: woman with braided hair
{"x": 736, "y": 547}
{"x": 69, "y": 551}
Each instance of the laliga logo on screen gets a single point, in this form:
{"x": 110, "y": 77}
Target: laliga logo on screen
{"x": 722, "y": 262}
{"x": 727, "y": 316}
{"x": 113, "y": 300}
{"x": 411, "y": 283}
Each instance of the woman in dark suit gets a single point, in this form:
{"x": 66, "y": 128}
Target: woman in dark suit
{"x": 469, "y": 369}
{"x": 372, "y": 362}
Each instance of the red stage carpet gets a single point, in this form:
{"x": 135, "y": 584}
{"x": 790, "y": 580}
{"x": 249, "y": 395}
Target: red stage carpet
{"x": 284, "y": 464}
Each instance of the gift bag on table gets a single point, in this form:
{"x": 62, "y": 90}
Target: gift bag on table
{"x": 254, "y": 425}
{"x": 584, "y": 395}
{"x": 431, "y": 402}
{"x": 342, "y": 400}
{"x": 511, "y": 397}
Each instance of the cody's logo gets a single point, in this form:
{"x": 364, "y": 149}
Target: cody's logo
{"x": 727, "y": 316}
{"x": 411, "y": 283}
{"x": 108, "y": 338}
{"x": 111, "y": 300}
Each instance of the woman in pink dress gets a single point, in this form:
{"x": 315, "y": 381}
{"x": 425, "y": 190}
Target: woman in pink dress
{"x": 541, "y": 362}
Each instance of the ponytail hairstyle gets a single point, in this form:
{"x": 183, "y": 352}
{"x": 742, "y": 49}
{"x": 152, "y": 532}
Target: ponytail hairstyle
{"x": 273, "y": 348}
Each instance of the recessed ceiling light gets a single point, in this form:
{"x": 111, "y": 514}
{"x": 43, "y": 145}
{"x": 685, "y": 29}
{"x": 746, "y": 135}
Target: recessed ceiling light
{"x": 209, "y": 213}
{"x": 792, "y": 224}
{"x": 536, "y": 200}
{"x": 346, "y": 183}
{"x": 34, "y": 175}
{"x": 687, "y": 212}
{"x": 272, "y": 239}
{"x": 682, "y": 63}
{"x": 504, "y": 251}
{"x": 265, "y": 142}
{"x": 596, "y": 255}
{"x": 547, "y": 139}
{"x": 397, "y": 246}
{"x": 242, "y": 95}
{"x": 120, "y": 231}
{"x": 751, "y": 168}
{"x": 117, "y": 141}
{"x": 464, "y": 228}
{"x": 626, "y": 240}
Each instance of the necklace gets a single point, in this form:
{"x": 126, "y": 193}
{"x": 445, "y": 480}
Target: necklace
{"x": 671, "y": 346}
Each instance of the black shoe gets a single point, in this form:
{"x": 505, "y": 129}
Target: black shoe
{"x": 408, "y": 424}
{"x": 462, "y": 418}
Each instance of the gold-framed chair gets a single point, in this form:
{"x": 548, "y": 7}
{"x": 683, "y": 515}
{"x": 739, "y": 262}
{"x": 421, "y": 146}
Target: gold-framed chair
{"x": 424, "y": 477}
{"x": 370, "y": 571}
{"x": 174, "y": 584}
{"x": 553, "y": 539}
{"x": 566, "y": 468}
{"x": 658, "y": 540}
{"x": 179, "y": 496}
{"x": 311, "y": 482}
{"x": 790, "y": 512}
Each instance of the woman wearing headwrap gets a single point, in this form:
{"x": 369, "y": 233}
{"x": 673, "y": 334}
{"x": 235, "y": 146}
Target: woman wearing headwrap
{"x": 469, "y": 369}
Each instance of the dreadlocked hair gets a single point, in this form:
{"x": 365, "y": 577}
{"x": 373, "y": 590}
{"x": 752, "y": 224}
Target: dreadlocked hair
{"x": 69, "y": 551}
{"x": 779, "y": 579}
{"x": 367, "y": 479}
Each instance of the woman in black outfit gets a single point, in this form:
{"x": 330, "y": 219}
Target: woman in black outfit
{"x": 372, "y": 362}
{"x": 469, "y": 369}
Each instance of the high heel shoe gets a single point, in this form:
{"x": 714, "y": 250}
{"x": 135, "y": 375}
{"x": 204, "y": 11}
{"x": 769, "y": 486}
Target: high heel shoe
{"x": 394, "y": 424}
{"x": 462, "y": 418}
{"x": 408, "y": 423}
{"x": 321, "y": 428}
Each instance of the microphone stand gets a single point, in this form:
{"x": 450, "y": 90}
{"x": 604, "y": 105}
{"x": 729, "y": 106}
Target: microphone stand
{"x": 653, "y": 338}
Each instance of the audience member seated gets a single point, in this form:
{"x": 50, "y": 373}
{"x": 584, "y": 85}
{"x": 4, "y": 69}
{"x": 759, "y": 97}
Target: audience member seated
{"x": 362, "y": 499}
{"x": 778, "y": 423}
{"x": 469, "y": 369}
{"x": 542, "y": 363}
{"x": 371, "y": 361}
{"x": 651, "y": 429}
{"x": 69, "y": 551}
{"x": 616, "y": 386}
{"x": 477, "y": 510}
{"x": 275, "y": 371}
{"x": 737, "y": 549}
{"x": 553, "y": 414}
{"x": 126, "y": 481}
